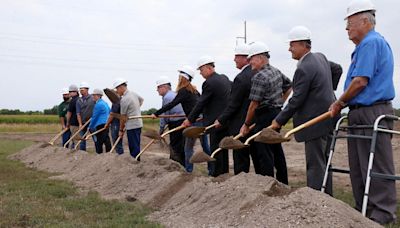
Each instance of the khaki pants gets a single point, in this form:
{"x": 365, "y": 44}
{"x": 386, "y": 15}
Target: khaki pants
{"x": 73, "y": 130}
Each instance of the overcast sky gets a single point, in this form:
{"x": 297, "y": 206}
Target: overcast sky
{"x": 46, "y": 45}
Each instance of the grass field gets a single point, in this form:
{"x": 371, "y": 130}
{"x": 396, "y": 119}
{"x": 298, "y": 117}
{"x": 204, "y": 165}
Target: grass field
{"x": 45, "y": 123}
{"x": 29, "y": 199}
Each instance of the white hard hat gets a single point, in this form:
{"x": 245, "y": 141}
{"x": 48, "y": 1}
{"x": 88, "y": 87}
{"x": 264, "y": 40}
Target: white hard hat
{"x": 73, "y": 88}
{"x": 358, "y": 6}
{"x": 118, "y": 82}
{"x": 256, "y": 48}
{"x": 163, "y": 80}
{"x": 187, "y": 72}
{"x": 65, "y": 91}
{"x": 204, "y": 60}
{"x": 242, "y": 49}
{"x": 84, "y": 85}
{"x": 298, "y": 33}
{"x": 97, "y": 92}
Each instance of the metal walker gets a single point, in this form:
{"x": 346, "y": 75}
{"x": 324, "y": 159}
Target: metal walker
{"x": 370, "y": 174}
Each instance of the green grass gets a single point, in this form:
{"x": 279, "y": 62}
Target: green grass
{"x": 29, "y": 119}
{"x": 29, "y": 199}
{"x": 29, "y": 128}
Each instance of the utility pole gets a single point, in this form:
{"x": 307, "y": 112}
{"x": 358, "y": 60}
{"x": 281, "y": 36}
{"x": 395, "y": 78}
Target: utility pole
{"x": 242, "y": 37}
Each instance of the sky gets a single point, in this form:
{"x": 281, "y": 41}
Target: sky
{"x": 46, "y": 45}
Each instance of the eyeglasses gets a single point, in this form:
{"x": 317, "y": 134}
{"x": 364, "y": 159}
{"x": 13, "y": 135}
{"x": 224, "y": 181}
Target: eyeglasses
{"x": 354, "y": 22}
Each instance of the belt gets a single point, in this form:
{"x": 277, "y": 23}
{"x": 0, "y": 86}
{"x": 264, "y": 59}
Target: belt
{"x": 355, "y": 106}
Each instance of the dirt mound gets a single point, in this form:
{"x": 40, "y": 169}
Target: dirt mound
{"x": 186, "y": 200}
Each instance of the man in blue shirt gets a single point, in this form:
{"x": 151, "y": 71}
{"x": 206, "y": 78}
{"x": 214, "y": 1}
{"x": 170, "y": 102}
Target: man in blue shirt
{"x": 368, "y": 92}
{"x": 99, "y": 119}
{"x": 176, "y": 138}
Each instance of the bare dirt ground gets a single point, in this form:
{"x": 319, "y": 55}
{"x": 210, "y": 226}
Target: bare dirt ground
{"x": 194, "y": 200}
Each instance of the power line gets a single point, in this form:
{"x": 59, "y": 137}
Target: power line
{"x": 112, "y": 45}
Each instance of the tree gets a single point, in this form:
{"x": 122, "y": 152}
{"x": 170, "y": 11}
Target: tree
{"x": 51, "y": 111}
{"x": 149, "y": 112}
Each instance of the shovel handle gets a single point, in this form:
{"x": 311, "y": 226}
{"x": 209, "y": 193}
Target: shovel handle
{"x": 160, "y": 116}
{"x": 115, "y": 144}
{"x": 98, "y": 131}
{"x": 309, "y": 123}
{"x": 172, "y": 130}
{"x": 144, "y": 148}
{"x": 51, "y": 142}
{"x": 211, "y": 126}
{"x": 76, "y": 133}
{"x": 253, "y": 136}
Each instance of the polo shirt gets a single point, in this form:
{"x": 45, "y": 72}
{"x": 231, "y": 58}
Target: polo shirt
{"x": 130, "y": 106}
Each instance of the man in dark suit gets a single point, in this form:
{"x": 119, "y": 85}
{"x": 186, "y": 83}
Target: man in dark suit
{"x": 213, "y": 100}
{"x": 235, "y": 113}
{"x": 312, "y": 96}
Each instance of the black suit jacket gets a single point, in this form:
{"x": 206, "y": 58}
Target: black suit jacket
{"x": 213, "y": 99}
{"x": 235, "y": 113}
{"x": 312, "y": 96}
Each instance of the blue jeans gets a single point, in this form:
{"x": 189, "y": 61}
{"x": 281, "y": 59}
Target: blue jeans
{"x": 82, "y": 145}
{"x": 134, "y": 141}
{"x": 114, "y": 134}
{"x": 65, "y": 137}
{"x": 189, "y": 144}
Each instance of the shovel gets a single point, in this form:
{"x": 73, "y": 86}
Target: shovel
{"x": 195, "y": 132}
{"x": 201, "y": 156}
{"x": 76, "y": 133}
{"x": 115, "y": 144}
{"x": 80, "y": 140}
{"x": 150, "y": 116}
{"x": 154, "y": 139}
{"x": 112, "y": 95}
{"x": 51, "y": 142}
{"x": 270, "y": 136}
{"x": 274, "y": 137}
{"x": 94, "y": 133}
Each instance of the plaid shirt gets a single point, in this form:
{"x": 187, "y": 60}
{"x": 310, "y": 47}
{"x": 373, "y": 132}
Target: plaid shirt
{"x": 268, "y": 86}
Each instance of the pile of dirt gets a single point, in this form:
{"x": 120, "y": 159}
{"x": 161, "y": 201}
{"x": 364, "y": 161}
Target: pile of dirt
{"x": 186, "y": 200}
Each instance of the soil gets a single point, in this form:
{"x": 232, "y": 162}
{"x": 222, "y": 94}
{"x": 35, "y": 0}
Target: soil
{"x": 194, "y": 200}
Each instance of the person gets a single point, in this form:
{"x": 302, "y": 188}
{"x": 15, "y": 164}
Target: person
{"x": 72, "y": 119}
{"x": 84, "y": 110}
{"x": 269, "y": 89}
{"x": 100, "y": 114}
{"x": 187, "y": 96}
{"x": 176, "y": 140}
{"x": 368, "y": 92}
{"x": 235, "y": 113}
{"x": 312, "y": 95}
{"x": 62, "y": 114}
{"x": 213, "y": 100}
{"x": 113, "y": 123}
{"x": 130, "y": 106}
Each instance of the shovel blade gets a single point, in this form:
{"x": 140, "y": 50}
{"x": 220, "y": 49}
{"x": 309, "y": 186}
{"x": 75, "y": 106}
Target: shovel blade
{"x": 270, "y": 136}
{"x": 200, "y": 156}
{"x": 193, "y": 131}
{"x": 231, "y": 143}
